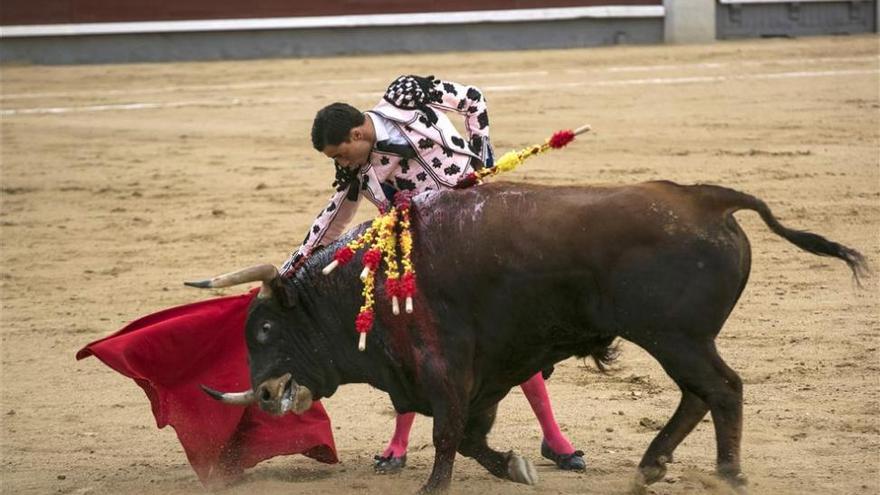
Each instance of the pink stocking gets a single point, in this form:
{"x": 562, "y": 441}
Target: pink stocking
{"x": 400, "y": 439}
{"x": 536, "y": 392}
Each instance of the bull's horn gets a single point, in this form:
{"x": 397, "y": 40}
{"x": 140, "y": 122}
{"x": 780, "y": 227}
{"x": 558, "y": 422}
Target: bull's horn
{"x": 233, "y": 398}
{"x": 265, "y": 273}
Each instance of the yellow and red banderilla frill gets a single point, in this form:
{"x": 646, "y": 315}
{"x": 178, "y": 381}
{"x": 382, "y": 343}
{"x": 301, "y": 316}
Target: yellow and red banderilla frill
{"x": 382, "y": 239}
{"x": 513, "y": 159}
{"x": 392, "y": 230}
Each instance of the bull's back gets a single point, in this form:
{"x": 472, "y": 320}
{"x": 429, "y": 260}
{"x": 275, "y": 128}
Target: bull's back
{"x": 600, "y": 257}
{"x": 549, "y": 227}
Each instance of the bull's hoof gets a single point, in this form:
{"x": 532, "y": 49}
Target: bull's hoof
{"x": 638, "y": 487}
{"x": 388, "y": 465}
{"x": 566, "y": 462}
{"x": 431, "y": 488}
{"x": 521, "y": 470}
{"x": 735, "y": 479}
{"x": 647, "y": 475}
{"x": 652, "y": 473}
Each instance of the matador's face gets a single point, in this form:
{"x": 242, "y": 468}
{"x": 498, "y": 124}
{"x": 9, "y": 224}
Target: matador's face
{"x": 353, "y": 152}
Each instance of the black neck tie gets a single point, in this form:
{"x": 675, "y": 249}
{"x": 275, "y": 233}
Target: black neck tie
{"x": 403, "y": 150}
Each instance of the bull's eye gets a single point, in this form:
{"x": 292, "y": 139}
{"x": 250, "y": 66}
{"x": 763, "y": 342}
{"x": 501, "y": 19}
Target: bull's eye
{"x": 263, "y": 332}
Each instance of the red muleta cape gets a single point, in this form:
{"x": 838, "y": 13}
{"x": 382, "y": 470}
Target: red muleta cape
{"x": 170, "y": 353}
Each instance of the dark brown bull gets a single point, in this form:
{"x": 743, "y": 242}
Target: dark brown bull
{"x": 514, "y": 278}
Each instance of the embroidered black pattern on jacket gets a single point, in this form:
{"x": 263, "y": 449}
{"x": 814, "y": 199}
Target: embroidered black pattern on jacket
{"x": 384, "y": 160}
{"x": 451, "y": 170}
{"x": 404, "y": 184}
{"x": 421, "y": 176}
{"x": 476, "y": 145}
{"x": 404, "y": 165}
{"x": 448, "y": 152}
{"x": 344, "y": 176}
{"x": 436, "y": 163}
{"x": 435, "y": 97}
{"x": 473, "y": 94}
{"x": 456, "y": 141}
{"x": 414, "y": 92}
{"x": 426, "y": 144}
{"x": 449, "y": 88}
{"x": 483, "y": 119}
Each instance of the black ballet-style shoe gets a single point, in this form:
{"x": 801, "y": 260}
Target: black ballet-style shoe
{"x": 388, "y": 465}
{"x": 566, "y": 462}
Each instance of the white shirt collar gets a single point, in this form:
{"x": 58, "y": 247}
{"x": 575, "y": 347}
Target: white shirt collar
{"x": 379, "y": 127}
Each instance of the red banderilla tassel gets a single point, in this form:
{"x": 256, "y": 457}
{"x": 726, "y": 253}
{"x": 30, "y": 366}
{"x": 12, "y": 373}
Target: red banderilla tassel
{"x": 402, "y": 199}
{"x": 467, "y": 181}
{"x": 342, "y": 256}
{"x": 363, "y": 323}
{"x": 392, "y": 290}
{"x": 561, "y": 138}
{"x": 408, "y": 289}
{"x": 371, "y": 260}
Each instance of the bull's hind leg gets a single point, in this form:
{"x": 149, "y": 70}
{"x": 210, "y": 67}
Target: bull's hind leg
{"x": 705, "y": 381}
{"x": 691, "y": 410}
{"x": 507, "y": 466}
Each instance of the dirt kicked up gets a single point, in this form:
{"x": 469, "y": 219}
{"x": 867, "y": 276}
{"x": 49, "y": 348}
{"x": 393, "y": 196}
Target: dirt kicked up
{"x": 119, "y": 182}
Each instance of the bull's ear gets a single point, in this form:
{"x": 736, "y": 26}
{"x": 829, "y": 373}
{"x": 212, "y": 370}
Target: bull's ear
{"x": 284, "y": 291}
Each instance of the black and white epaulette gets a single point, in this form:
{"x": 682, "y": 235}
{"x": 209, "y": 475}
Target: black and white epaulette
{"x": 415, "y": 93}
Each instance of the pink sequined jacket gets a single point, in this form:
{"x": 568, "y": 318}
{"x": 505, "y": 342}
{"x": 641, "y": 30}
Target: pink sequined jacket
{"x": 436, "y": 158}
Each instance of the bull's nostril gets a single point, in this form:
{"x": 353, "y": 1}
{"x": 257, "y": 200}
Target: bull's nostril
{"x": 265, "y": 396}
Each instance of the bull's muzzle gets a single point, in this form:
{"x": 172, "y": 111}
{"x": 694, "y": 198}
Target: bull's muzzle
{"x": 276, "y": 396}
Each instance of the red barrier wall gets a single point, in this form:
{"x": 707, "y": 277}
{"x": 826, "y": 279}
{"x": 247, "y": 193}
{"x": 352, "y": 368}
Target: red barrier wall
{"x": 19, "y": 12}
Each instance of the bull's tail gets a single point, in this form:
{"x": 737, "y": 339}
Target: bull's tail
{"x": 730, "y": 201}
{"x": 604, "y": 351}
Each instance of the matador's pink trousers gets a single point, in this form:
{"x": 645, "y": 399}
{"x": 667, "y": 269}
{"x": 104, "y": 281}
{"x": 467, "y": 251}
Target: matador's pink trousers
{"x": 535, "y": 391}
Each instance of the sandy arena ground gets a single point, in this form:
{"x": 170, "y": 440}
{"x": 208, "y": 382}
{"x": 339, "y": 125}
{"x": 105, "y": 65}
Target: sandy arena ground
{"x": 120, "y": 182}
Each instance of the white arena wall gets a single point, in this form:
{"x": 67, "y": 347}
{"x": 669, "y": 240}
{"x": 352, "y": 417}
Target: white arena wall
{"x": 636, "y": 22}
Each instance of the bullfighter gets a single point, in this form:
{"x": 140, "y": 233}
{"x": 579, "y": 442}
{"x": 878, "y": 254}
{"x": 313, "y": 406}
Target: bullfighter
{"x": 407, "y": 143}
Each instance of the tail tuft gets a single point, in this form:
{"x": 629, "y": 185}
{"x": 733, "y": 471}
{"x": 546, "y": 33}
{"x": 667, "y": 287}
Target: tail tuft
{"x": 857, "y": 263}
{"x": 606, "y": 355}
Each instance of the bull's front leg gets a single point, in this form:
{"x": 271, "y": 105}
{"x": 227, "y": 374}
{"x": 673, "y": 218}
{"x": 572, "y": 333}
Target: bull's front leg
{"x": 508, "y": 466}
{"x": 449, "y": 422}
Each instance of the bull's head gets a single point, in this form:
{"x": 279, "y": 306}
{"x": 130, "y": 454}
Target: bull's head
{"x": 284, "y": 364}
